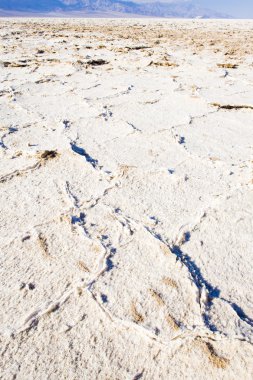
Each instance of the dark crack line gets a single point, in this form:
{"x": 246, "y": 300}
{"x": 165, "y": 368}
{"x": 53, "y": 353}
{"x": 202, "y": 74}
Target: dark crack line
{"x": 201, "y": 283}
{"x": 72, "y": 196}
{"x": 232, "y": 106}
{"x": 239, "y": 311}
{"x": 134, "y": 128}
{"x": 81, "y": 222}
{"x": 11, "y": 130}
{"x": 2, "y": 145}
{"x": 17, "y": 173}
{"x": 86, "y": 155}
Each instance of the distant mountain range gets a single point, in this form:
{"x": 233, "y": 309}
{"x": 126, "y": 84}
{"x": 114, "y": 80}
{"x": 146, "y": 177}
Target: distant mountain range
{"x": 179, "y": 9}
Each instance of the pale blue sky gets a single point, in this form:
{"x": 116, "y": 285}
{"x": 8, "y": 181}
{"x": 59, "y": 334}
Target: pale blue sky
{"x": 237, "y": 8}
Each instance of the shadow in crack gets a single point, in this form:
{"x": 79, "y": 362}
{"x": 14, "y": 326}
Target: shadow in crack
{"x": 83, "y": 153}
{"x": 240, "y": 313}
{"x": 78, "y": 219}
{"x": 109, "y": 263}
{"x": 213, "y": 292}
{"x": 194, "y": 270}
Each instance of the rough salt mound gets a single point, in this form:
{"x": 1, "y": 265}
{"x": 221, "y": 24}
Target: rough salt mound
{"x": 126, "y": 199}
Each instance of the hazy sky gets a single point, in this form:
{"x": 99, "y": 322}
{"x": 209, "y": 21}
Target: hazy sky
{"x": 236, "y": 8}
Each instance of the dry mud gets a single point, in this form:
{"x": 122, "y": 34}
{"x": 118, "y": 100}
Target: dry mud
{"x": 126, "y": 199}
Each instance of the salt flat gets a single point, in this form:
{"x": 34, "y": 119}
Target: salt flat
{"x": 126, "y": 199}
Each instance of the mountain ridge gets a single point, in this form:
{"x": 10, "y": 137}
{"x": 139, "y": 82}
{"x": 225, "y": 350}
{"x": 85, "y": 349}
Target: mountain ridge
{"x": 180, "y": 9}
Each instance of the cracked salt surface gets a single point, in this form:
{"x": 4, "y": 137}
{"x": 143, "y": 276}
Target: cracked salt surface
{"x": 126, "y": 199}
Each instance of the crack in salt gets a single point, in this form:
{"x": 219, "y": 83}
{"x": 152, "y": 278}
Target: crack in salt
{"x": 88, "y": 158}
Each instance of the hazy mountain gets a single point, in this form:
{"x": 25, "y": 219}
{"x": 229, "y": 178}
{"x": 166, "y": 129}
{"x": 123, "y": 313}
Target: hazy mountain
{"x": 177, "y": 9}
